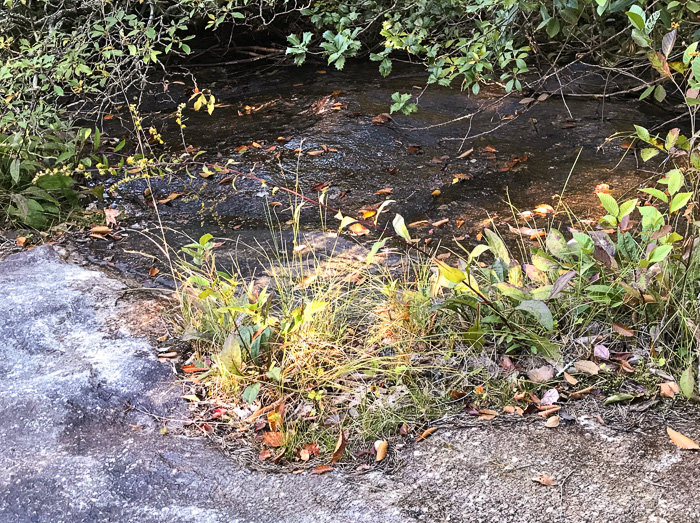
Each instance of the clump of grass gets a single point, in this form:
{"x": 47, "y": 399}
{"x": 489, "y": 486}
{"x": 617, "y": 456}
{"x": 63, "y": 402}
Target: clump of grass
{"x": 321, "y": 347}
{"x": 345, "y": 345}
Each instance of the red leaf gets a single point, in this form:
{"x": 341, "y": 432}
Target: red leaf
{"x": 321, "y": 469}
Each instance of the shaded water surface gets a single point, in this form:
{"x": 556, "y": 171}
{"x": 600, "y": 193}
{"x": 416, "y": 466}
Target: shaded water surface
{"x": 331, "y": 115}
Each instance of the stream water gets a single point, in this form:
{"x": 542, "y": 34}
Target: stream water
{"x": 523, "y": 155}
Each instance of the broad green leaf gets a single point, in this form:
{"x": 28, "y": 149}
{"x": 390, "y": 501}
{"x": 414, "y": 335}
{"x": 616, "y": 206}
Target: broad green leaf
{"x": 656, "y": 193}
{"x": 659, "y": 253}
{"x": 672, "y": 138}
{"x": 511, "y": 291}
{"x": 679, "y": 201}
{"x": 497, "y": 246}
{"x": 621, "y": 396}
{"x": 556, "y": 244}
{"x": 450, "y": 273}
{"x": 674, "y": 180}
{"x": 540, "y": 311}
{"x": 230, "y": 355}
{"x": 375, "y": 249}
{"x": 609, "y": 204}
{"x": 659, "y": 93}
{"x": 627, "y": 207}
{"x": 584, "y": 241}
{"x": 251, "y": 393}
{"x": 637, "y": 17}
{"x": 689, "y": 52}
{"x": 642, "y": 133}
{"x": 647, "y": 92}
{"x": 478, "y": 251}
{"x": 687, "y": 382}
{"x": 648, "y": 153}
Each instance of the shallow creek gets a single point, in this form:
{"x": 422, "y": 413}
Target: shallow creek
{"x": 523, "y": 155}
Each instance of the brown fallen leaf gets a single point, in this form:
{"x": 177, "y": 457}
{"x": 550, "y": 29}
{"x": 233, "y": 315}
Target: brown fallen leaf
{"x": 421, "y": 223}
{"x": 381, "y": 119}
{"x": 548, "y": 411}
{"x": 111, "y": 216}
{"x": 602, "y": 188}
{"x": 489, "y": 149}
{"x": 541, "y": 374}
{"x": 315, "y": 153}
{"x": 459, "y": 223}
{"x": 273, "y": 439}
{"x": 436, "y": 192}
{"x": 21, "y": 241}
{"x": 153, "y": 272}
{"x": 544, "y": 479}
{"x": 100, "y": 229}
{"x": 264, "y": 454}
{"x": 587, "y": 367}
{"x": 580, "y": 393}
{"x": 466, "y": 153}
{"x": 381, "y": 446}
{"x": 509, "y": 409}
{"x": 681, "y": 441}
{"x": 413, "y": 149}
{"x": 570, "y": 379}
{"x": 386, "y": 190}
{"x": 426, "y": 433}
{"x": 669, "y": 389}
{"x": 544, "y": 209}
{"x": 339, "y": 447}
{"x": 552, "y": 422}
{"x": 440, "y": 223}
{"x": 172, "y": 196}
{"x": 358, "y": 229}
{"x": 321, "y": 469}
{"x": 623, "y": 330}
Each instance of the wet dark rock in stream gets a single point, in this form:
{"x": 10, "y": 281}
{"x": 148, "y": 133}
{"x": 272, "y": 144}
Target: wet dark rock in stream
{"x": 523, "y": 155}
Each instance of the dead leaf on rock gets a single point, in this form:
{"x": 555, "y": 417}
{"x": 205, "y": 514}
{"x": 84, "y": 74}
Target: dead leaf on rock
{"x": 544, "y": 479}
{"x": 681, "y": 441}
{"x": 587, "y": 367}
{"x": 466, "y": 153}
{"x": 321, "y": 469}
{"x": 381, "y": 446}
{"x": 172, "y": 196}
{"x": 358, "y": 229}
{"x": 426, "y": 433}
{"x": 552, "y": 422}
{"x": 381, "y": 119}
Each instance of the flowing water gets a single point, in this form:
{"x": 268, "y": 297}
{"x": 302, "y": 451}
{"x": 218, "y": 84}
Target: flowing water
{"x": 552, "y": 151}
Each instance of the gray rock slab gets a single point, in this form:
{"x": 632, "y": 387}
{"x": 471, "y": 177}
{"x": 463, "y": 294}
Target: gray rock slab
{"x": 72, "y": 361}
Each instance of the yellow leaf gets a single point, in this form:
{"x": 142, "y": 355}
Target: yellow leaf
{"x": 381, "y": 446}
{"x": 681, "y": 441}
